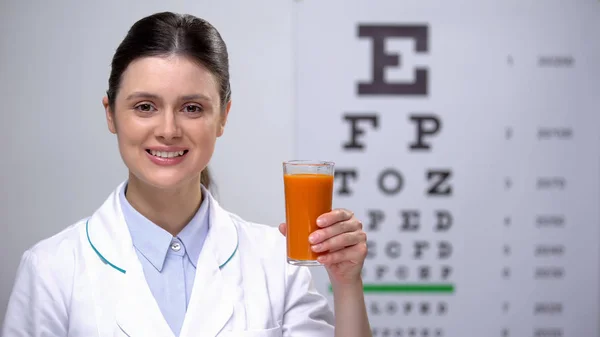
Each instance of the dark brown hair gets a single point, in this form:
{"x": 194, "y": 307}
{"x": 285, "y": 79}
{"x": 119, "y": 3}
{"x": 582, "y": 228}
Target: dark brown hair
{"x": 165, "y": 34}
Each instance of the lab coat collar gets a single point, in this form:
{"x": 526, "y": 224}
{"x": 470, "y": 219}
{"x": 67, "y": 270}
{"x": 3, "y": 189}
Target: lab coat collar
{"x": 109, "y": 237}
{"x": 107, "y": 233}
{"x": 211, "y": 303}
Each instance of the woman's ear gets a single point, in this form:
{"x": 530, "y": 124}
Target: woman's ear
{"x": 223, "y": 119}
{"x": 110, "y": 117}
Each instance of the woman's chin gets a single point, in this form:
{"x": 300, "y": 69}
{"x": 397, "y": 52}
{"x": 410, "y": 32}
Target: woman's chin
{"x": 169, "y": 181}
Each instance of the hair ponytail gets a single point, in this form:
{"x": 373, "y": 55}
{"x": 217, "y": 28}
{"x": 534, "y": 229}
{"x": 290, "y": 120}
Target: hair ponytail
{"x": 205, "y": 178}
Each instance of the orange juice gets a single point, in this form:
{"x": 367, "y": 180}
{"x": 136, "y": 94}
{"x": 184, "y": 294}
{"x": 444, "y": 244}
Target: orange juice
{"x": 307, "y": 196}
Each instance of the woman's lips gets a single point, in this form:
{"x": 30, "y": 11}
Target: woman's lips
{"x": 166, "y": 158}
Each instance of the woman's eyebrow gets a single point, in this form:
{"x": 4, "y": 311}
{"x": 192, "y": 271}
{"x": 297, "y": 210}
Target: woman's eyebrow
{"x": 147, "y": 95}
{"x": 195, "y": 97}
{"x": 142, "y": 94}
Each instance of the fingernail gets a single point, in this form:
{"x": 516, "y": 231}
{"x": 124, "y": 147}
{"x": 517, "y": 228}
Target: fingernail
{"x": 317, "y": 248}
{"x": 312, "y": 238}
{"x": 321, "y": 259}
{"x": 320, "y": 222}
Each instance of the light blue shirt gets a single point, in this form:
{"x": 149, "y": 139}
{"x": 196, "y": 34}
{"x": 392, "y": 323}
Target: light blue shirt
{"x": 169, "y": 262}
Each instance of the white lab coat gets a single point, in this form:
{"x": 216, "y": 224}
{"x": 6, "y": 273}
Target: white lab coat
{"x": 70, "y": 285}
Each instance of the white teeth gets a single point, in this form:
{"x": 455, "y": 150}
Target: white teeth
{"x": 164, "y": 154}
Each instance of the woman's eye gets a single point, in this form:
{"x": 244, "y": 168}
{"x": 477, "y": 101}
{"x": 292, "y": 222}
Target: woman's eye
{"x": 145, "y": 107}
{"x": 193, "y": 108}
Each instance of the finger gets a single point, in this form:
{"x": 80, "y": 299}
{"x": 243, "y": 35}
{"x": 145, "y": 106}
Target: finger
{"x": 321, "y": 235}
{"x": 283, "y": 228}
{"x": 341, "y": 241}
{"x": 355, "y": 254}
{"x": 336, "y": 215}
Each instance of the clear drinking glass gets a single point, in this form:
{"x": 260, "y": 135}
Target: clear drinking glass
{"x": 308, "y": 194}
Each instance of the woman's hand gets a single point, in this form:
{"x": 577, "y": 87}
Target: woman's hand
{"x": 344, "y": 243}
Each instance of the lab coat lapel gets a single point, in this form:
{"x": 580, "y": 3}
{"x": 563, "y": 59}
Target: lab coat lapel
{"x": 138, "y": 314}
{"x": 217, "y": 277}
{"x": 121, "y": 276}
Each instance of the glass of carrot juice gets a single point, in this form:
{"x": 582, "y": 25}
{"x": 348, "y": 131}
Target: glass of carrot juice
{"x": 308, "y": 189}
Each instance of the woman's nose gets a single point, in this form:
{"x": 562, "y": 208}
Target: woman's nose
{"x": 169, "y": 127}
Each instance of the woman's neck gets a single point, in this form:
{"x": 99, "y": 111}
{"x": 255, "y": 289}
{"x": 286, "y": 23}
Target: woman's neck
{"x": 169, "y": 209}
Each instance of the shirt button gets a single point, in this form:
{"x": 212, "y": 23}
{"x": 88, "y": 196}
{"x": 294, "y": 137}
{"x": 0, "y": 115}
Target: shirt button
{"x": 176, "y": 246}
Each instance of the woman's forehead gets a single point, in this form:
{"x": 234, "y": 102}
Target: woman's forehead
{"x": 169, "y": 76}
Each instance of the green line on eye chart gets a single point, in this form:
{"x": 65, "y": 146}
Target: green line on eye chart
{"x": 406, "y": 288}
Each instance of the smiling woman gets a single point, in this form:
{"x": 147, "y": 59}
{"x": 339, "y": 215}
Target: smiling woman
{"x": 161, "y": 57}
{"x": 161, "y": 257}
{"x": 167, "y": 114}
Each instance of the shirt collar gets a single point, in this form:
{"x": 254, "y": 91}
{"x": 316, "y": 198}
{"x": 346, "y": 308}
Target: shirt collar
{"x": 153, "y": 242}
{"x": 193, "y": 235}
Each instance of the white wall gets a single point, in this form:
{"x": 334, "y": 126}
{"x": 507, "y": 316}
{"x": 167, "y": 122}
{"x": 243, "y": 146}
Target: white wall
{"x": 59, "y": 160}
